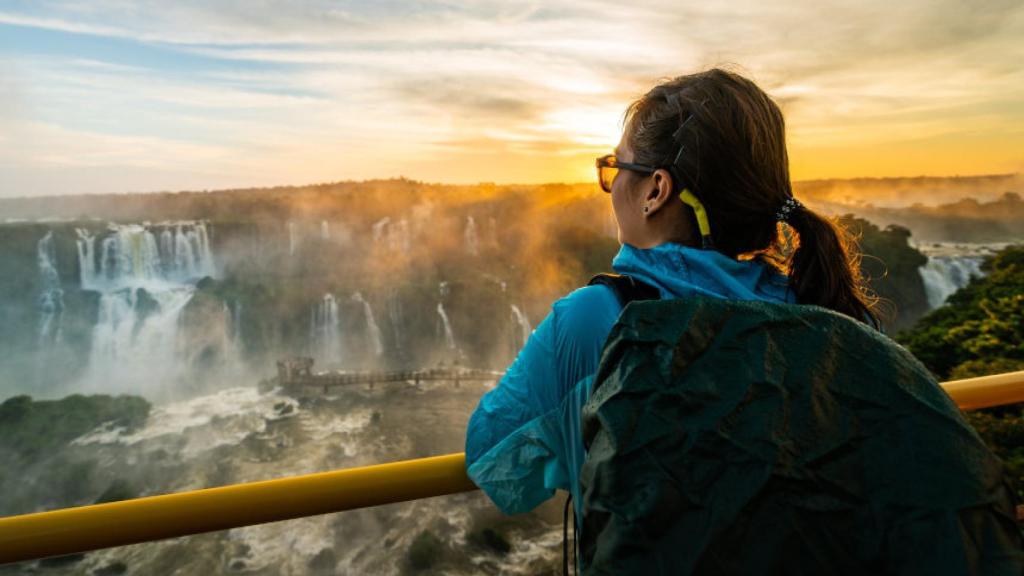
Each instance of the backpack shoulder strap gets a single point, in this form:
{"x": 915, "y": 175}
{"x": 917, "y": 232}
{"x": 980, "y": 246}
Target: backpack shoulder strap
{"x": 626, "y": 288}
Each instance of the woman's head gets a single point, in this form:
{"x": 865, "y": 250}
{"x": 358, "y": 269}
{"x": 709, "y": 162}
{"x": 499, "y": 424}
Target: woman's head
{"x": 721, "y": 137}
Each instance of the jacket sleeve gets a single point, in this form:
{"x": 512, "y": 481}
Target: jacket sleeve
{"x": 515, "y": 439}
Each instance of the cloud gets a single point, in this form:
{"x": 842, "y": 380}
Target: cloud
{"x": 284, "y": 90}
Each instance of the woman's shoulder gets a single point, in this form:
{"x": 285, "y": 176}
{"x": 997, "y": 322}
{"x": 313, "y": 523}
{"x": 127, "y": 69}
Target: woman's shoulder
{"x": 589, "y": 311}
{"x": 586, "y": 299}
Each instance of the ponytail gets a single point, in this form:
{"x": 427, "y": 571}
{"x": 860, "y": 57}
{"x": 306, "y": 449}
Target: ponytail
{"x": 825, "y": 269}
{"x": 725, "y": 140}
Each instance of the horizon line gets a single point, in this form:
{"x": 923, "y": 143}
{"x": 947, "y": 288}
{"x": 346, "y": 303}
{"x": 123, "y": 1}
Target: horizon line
{"x": 476, "y": 184}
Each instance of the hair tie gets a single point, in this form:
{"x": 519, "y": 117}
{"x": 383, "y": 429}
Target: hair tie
{"x": 787, "y": 208}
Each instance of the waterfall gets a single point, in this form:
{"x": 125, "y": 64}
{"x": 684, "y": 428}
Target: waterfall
{"x": 292, "y": 241}
{"x": 402, "y": 240}
{"x": 166, "y": 247}
{"x": 232, "y": 343}
{"x": 206, "y": 267}
{"x": 523, "y": 323}
{"x": 131, "y": 256}
{"x": 86, "y": 244}
{"x": 472, "y": 242}
{"x": 396, "y": 317}
{"x": 233, "y": 323}
{"x": 380, "y": 228}
{"x": 135, "y": 341}
{"x": 394, "y": 235}
{"x": 372, "y": 330}
{"x": 51, "y": 296}
{"x": 492, "y": 232}
{"x": 944, "y": 275}
{"x": 325, "y": 330}
{"x": 236, "y": 323}
{"x": 449, "y": 338}
{"x": 185, "y": 256}
{"x": 144, "y": 283}
{"x": 325, "y": 230}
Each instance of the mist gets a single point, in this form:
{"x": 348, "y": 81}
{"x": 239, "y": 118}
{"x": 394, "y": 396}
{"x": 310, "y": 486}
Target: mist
{"x": 139, "y": 336}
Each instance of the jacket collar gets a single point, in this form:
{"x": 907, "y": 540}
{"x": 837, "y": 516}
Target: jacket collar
{"x": 678, "y": 270}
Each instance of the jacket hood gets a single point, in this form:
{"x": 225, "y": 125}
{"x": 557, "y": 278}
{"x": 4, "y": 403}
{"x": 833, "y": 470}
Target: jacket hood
{"x": 677, "y": 270}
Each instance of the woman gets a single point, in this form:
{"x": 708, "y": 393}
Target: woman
{"x": 700, "y": 188}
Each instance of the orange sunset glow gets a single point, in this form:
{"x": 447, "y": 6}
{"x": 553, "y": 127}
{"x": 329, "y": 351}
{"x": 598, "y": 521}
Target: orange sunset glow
{"x": 211, "y": 95}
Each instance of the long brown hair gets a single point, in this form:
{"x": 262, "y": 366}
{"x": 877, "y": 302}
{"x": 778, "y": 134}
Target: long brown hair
{"x": 734, "y": 160}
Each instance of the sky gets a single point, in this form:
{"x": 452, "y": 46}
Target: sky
{"x": 122, "y": 96}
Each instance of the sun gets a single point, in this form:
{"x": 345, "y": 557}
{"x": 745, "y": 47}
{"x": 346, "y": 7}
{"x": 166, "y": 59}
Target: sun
{"x": 593, "y": 127}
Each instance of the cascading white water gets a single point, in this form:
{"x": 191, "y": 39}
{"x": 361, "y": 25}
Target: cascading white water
{"x": 167, "y": 245}
{"x": 492, "y": 232}
{"x": 134, "y": 349}
{"x": 944, "y": 275}
{"x": 523, "y": 323}
{"x": 325, "y": 330}
{"x": 205, "y": 264}
{"x": 380, "y": 228}
{"x": 951, "y": 266}
{"x": 86, "y": 244}
{"x": 144, "y": 285}
{"x": 396, "y": 315}
{"x": 292, "y": 238}
{"x": 372, "y": 330}
{"x": 449, "y": 337}
{"x": 185, "y": 251}
{"x": 325, "y": 230}
{"x": 51, "y": 296}
{"x": 232, "y": 342}
{"x": 131, "y": 256}
{"x": 401, "y": 237}
{"x": 195, "y": 259}
{"x": 395, "y": 234}
{"x": 236, "y": 322}
{"x": 472, "y": 241}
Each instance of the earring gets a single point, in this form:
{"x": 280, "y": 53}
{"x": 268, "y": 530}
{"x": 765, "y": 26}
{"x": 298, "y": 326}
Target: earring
{"x": 646, "y": 208}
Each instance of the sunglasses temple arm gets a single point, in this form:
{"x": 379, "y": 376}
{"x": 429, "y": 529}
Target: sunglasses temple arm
{"x": 691, "y": 200}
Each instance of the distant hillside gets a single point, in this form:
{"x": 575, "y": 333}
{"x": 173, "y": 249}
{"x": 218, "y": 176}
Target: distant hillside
{"x": 348, "y": 200}
{"x": 966, "y": 220}
{"x": 835, "y": 196}
{"x": 956, "y": 209}
{"x": 902, "y": 192}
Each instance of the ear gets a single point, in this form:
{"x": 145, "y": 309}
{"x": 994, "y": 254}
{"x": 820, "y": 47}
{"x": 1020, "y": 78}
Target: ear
{"x": 659, "y": 192}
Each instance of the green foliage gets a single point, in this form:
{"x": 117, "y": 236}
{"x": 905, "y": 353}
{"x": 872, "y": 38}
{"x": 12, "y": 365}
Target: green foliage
{"x": 31, "y": 429}
{"x": 1003, "y": 431}
{"x": 985, "y": 367}
{"x": 981, "y": 327}
{"x": 979, "y": 332}
{"x": 425, "y": 551}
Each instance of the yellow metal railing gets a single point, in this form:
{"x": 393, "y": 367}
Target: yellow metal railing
{"x": 87, "y": 528}
{"x": 987, "y": 391}
{"x": 130, "y": 521}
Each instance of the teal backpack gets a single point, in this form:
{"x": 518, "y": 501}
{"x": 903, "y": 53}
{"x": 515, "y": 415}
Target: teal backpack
{"x": 732, "y": 437}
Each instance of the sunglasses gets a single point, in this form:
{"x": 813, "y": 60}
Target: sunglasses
{"x": 608, "y": 168}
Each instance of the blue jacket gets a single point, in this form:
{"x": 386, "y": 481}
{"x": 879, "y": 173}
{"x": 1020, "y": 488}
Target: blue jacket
{"x": 524, "y": 441}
